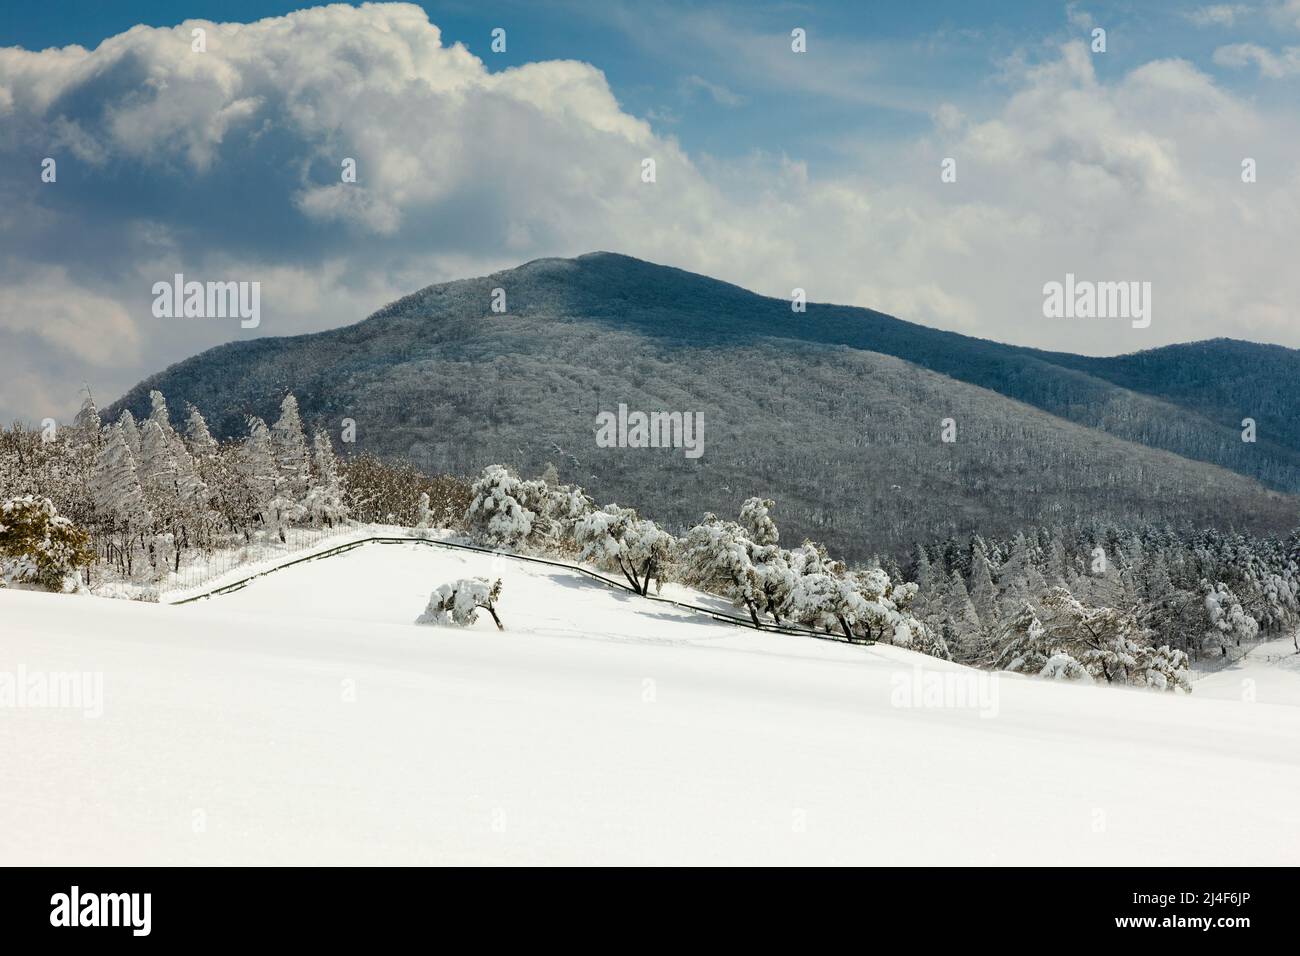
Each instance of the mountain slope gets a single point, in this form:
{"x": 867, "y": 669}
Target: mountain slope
{"x": 306, "y": 720}
{"x": 817, "y": 410}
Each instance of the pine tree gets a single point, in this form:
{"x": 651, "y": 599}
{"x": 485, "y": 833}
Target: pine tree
{"x": 201, "y": 442}
{"x": 962, "y": 626}
{"x": 258, "y": 469}
{"x": 982, "y": 592}
{"x": 130, "y": 432}
{"x": 289, "y": 447}
{"x": 118, "y": 498}
{"x": 87, "y": 420}
{"x": 325, "y": 501}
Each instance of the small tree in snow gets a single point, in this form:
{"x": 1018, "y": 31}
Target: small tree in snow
{"x": 457, "y": 603}
{"x": 39, "y": 546}
{"x": 615, "y": 538}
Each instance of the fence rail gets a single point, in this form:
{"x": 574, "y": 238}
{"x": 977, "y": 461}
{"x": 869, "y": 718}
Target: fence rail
{"x": 714, "y": 613}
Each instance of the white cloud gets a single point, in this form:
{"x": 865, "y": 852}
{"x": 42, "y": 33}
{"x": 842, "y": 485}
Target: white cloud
{"x": 715, "y": 91}
{"x": 226, "y": 165}
{"x": 1285, "y": 14}
{"x": 1217, "y": 15}
{"x": 1274, "y": 65}
{"x": 1079, "y": 18}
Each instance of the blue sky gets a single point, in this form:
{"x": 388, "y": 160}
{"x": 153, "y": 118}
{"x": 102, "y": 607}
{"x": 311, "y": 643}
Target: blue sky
{"x": 776, "y": 170}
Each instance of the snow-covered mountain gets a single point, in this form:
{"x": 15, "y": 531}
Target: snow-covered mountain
{"x": 306, "y": 719}
{"x": 838, "y": 413}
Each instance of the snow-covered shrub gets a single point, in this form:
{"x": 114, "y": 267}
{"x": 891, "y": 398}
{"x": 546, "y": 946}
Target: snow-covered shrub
{"x": 616, "y": 539}
{"x": 1108, "y": 644}
{"x": 504, "y": 511}
{"x": 1164, "y": 669}
{"x": 1061, "y": 666}
{"x": 457, "y": 603}
{"x": 862, "y": 605}
{"x": 565, "y": 506}
{"x": 39, "y": 546}
{"x": 714, "y": 556}
{"x": 756, "y": 519}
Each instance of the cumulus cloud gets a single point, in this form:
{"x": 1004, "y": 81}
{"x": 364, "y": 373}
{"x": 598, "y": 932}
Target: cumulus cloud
{"x": 227, "y": 165}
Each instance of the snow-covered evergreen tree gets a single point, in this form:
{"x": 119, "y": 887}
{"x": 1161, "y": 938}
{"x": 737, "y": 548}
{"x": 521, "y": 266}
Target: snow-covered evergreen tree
{"x": 130, "y": 432}
{"x": 39, "y": 546}
{"x": 289, "y": 448}
{"x": 325, "y": 501}
{"x": 497, "y": 515}
{"x": 201, "y": 443}
{"x": 258, "y": 469}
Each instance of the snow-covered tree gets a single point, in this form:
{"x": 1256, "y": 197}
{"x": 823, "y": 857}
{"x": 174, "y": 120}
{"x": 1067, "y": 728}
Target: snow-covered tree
{"x": 201, "y": 443}
{"x": 714, "y": 556}
{"x": 115, "y": 485}
{"x": 507, "y": 511}
{"x": 1111, "y": 644}
{"x": 457, "y": 603}
{"x": 39, "y": 546}
{"x": 616, "y": 539}
{"x": 962, "y": 628}
{"x": 130, "y": 432}
{"x": 325, "y": 501}
{"x": 983, "y": 594}
{"x": 258, "y": 468}
{"x": 756, "y": 519}
{"x": 157, "y": 472}
{"x": 1227, "y": 623}
{"x": 87, "y": 420}
{"x": 289, "y": 449}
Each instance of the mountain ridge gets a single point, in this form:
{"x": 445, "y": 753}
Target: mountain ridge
{"x": 437, "y": 376}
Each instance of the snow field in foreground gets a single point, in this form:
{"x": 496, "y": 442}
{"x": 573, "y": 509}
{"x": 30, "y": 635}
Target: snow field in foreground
{"x": 305, "y": 719}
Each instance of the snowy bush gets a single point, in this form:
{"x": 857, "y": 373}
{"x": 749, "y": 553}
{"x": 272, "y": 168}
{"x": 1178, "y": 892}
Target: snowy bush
{"x": 616, "y": 539}
{"x": 38, "y": 546}
{"x": 499, "y": 515}
{"x": 457, "y": 603}
{"x": 714, "y": 556}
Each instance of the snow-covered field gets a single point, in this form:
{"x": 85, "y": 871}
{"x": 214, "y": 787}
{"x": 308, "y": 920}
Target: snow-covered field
{"x": 305, "y": 719}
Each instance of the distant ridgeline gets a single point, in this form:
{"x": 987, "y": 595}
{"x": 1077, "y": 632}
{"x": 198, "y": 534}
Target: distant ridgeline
{"x": 869, "y": 431}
